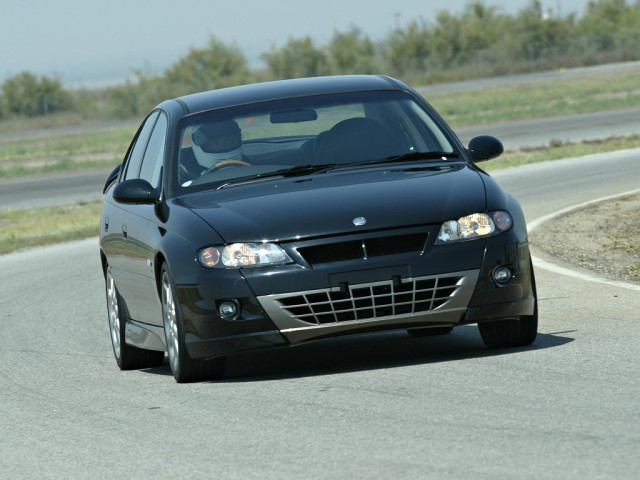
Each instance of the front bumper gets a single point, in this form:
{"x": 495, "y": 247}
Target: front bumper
{"x": 294, "y": 304}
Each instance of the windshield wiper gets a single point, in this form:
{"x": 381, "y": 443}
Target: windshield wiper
{"x": 407, "y": 157}
{"x": 299, "y": 170}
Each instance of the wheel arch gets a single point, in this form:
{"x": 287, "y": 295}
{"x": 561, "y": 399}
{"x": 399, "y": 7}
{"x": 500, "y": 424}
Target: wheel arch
{"x": 160, "y": 260}
{"x": 104, "y": 263}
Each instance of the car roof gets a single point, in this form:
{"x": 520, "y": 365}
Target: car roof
{"x": 259, "y": 92}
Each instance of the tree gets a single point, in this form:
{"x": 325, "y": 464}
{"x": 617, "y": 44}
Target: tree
{"x": 480, "y": 28}
{"x": 298, "y": 58}
{"x": 446, "y": 40}
{"x": 216, "y": 66}
{"x": 408, "y": 49}
{"x": 26, "y": 94}
{"x": 352, "y": 53}
{"x": 611, "y": 24}
{"x": 124, "y": 100}
{"x": 538, "y": 35}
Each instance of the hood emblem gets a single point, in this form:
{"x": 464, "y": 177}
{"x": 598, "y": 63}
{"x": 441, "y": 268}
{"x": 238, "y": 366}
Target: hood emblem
{"x": 359, "y": 221}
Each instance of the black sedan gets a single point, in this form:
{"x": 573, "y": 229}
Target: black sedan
{"x": 281, "y": 213}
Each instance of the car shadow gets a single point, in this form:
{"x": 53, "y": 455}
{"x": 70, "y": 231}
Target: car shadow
{"x": 366, "y": 352}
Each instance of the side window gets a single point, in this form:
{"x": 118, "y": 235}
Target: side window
{"x": 132, "y": 169}
{"x": 154, "y": 155}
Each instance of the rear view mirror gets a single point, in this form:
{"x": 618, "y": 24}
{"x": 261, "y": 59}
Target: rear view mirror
{"x": 294, "y": 116}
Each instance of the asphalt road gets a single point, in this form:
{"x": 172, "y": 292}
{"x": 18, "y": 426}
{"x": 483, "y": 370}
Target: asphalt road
{"x": 377, "y": 406}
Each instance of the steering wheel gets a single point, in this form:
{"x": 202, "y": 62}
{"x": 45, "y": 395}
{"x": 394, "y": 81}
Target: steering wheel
{"x": 226, "y": 163}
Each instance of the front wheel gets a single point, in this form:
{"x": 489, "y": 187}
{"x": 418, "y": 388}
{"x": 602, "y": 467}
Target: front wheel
{"x": 184, "y": 368}
{"x": 127, "y": 357}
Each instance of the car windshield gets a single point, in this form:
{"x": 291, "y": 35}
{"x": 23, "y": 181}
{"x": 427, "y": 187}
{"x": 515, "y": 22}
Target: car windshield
{"x": 302, "y": 135}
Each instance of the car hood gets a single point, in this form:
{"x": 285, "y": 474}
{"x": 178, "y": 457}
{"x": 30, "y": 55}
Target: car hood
{"x": 280, "y": 209}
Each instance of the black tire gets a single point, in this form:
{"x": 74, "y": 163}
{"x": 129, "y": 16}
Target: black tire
{"x": 184, "y": 368}
{"x": 127, "y": 357}
{"x": 518, "y": 332}
{"x": 429, "y": 331}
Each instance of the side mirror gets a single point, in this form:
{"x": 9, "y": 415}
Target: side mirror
{"x": 484, "y": 148}
{"x": 135, "y": 191}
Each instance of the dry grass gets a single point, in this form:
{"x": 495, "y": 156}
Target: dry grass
{"x": 603, "y": 238}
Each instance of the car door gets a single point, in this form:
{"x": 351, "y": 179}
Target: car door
{"x": 116, "y": 217}
{"x": 143, "y": 232}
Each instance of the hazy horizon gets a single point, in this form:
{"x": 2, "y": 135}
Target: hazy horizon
{"x": 85, "y": 43}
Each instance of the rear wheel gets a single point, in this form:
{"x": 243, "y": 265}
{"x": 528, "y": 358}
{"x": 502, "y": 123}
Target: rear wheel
{"x": 127, "y": 357}
{"x": 183, "y": 367}
{"x": 518, "y": 332}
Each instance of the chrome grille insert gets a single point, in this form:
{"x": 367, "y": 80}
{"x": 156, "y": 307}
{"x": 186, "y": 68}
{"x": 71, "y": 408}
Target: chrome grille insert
{"x": 410, "y": 299}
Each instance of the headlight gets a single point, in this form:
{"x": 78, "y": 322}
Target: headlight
{"x": 243, "y": 255}
{"x": 476, "y": 225}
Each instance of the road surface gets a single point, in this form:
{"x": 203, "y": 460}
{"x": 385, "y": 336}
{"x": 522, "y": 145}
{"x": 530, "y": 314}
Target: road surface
{"x": 377, "y": 406}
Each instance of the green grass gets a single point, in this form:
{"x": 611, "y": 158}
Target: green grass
{"x": 43, "y": 226}
{"x": 58, "y": 119}
{"x": 64, "y": 152}
{"x": 595, "y": 92}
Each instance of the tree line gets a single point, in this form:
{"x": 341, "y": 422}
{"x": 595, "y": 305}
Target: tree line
{"x": 481, "y": 41}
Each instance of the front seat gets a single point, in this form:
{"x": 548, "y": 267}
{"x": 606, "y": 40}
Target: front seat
{"x": 358, "y": 140}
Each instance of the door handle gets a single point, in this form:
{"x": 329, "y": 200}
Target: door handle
{"x": 124, "y": 230}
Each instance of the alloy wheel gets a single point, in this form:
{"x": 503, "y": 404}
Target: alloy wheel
{"x": 170, "y": 323}
{"x": 114, "y": 314}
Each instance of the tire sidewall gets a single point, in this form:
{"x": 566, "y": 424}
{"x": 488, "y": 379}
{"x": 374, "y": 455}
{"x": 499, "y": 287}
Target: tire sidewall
{"x": 122, "y": 318}
{"x": 180, "y": 369}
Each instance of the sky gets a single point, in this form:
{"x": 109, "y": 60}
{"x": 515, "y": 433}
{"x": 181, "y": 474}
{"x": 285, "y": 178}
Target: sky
{"x": 93, "y": 42}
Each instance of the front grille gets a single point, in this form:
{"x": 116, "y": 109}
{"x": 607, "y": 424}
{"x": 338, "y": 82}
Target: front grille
{"x": 370, "y": 301}
{"x": 366, "y": 248}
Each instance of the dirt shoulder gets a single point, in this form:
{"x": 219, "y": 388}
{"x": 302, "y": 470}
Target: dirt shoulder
{"x": 602, "y": 238}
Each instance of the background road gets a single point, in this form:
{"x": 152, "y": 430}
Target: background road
{"x": 377, "y": 406}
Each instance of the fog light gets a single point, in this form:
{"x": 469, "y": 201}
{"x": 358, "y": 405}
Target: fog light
{"x": 229, "y": 309}
{"x": 502, "y": 275}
